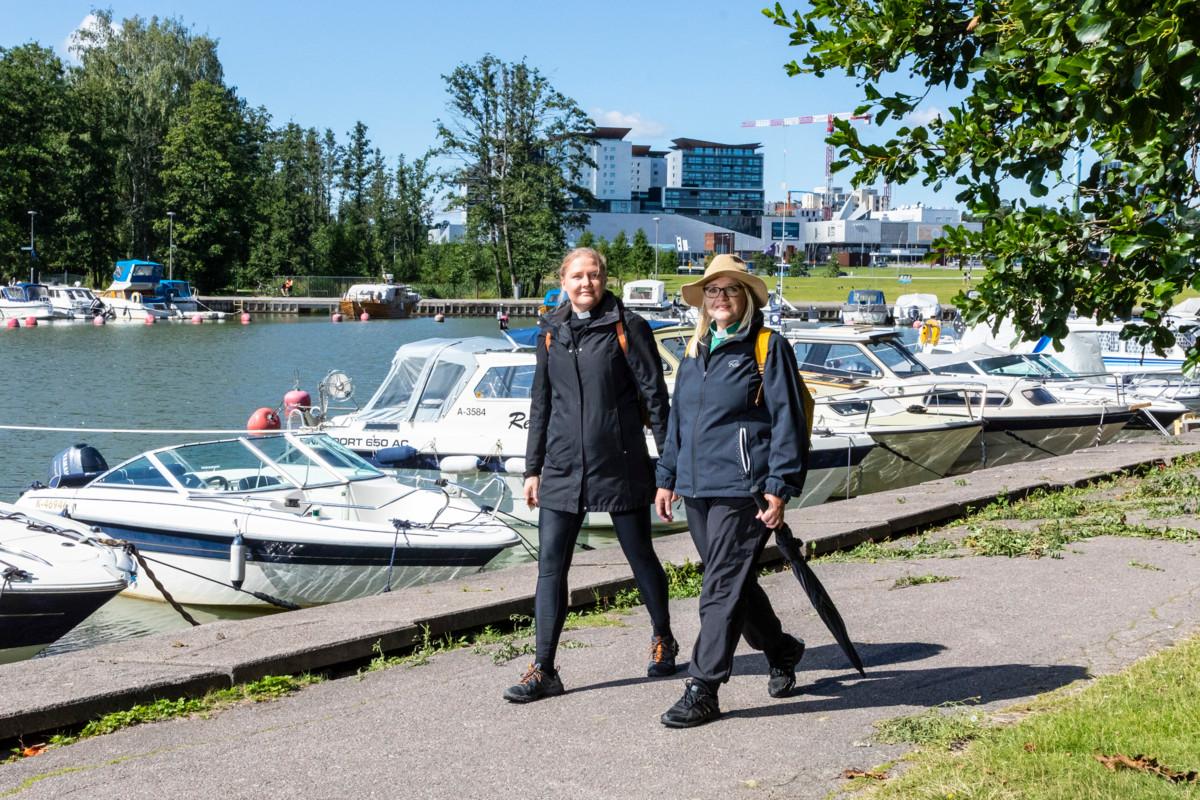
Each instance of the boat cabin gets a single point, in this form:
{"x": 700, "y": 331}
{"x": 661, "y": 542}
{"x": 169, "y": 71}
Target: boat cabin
{"x": 25, "y": 293}
{"x": 137, "y": 275}
{"x": 647, "y": 294}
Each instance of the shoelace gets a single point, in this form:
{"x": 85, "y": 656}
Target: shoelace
{"x": 659, "y": 652}
{"x": 532, "y": 675}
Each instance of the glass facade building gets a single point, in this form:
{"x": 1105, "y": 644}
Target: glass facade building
{"x": 717, "y": 183}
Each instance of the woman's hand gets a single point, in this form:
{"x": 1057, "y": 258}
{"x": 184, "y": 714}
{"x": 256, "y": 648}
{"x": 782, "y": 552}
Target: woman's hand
{"x": 532, "y": 484}
{"x": 772, "y": 516}
{"x": 662, "y": 504}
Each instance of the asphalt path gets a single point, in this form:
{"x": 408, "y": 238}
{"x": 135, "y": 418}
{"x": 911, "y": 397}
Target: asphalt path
{"x": 1001, "y": 631}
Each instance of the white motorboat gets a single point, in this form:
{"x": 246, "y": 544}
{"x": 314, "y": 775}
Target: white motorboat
{"x": 1155, "y": 410}
{"x": 279, "y": 518}
{"x": 649, "y": 299}
{"x": 1022, "y": 420}
{"x": 53, "y": 574}
{"x": 458, "y": 410}
{"x": 912, "y": 308}
{"x": 865, "y": 307}
{"x": 24, "y": 300}
{"x": 74, "y": 302}
{"x": 133, "y": 293}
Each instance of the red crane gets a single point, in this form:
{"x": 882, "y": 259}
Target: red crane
{"x": 826, "y": 207}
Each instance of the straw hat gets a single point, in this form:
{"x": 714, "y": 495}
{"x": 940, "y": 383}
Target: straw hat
{"x": 734, "y": 267}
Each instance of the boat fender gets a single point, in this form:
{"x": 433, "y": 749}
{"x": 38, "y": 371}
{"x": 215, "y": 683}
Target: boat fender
{"x": 263, "y": 419}
{"x": 136, "y": 297}
{"x": 296, "y": 398}
{"x": 514, "y": 465}
{"x": 458, "y": 464}
{"x": 395, "y": 457}
{"x": 237, "y": 562}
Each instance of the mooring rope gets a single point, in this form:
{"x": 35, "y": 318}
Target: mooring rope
{"x": 155, "y": 431}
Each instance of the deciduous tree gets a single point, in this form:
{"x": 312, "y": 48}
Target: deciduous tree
{"x": 1040, "y": 83}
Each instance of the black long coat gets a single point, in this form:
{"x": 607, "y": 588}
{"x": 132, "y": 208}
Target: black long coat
{"x": 586, "y": 434}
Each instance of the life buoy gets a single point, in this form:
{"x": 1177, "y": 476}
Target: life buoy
{"x": 136, "y": 297}
{"x": 931, "y": 331}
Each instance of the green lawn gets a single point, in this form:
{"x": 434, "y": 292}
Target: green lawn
{"x": 1150, "y": 710}
{"x": 945, "y": 283}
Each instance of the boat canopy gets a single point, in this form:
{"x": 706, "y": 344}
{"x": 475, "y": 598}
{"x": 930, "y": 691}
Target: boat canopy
{"x": 926, "y": 305}
{"x": 853, "y": 358}
{"x": 134, "y": 273}
{"x": 865, "y": 297}
{"x": 425, "y": 378}
{"x": 246, "y": 464}
{"x": 25, "y": 292}
{"x": 645, "y": 294}
{"x": 373, "y": 292}
{"x": 178, "y": 290}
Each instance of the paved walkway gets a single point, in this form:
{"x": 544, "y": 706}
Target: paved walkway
{"x": 1005, "y": 629}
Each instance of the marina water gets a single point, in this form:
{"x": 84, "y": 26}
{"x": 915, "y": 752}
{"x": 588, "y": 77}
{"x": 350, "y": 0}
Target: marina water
{"x": 177, "y": 376}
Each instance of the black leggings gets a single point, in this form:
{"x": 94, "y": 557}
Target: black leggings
{"x": 557, "y": 533}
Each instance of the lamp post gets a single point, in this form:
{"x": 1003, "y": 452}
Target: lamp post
{"x": 32, "y": 252}
{"x": 656, "y": 248}
{"x": 171, "y": 249}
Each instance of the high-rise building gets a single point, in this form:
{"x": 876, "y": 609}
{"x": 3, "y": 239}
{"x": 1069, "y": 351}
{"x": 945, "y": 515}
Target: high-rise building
{"x": 721, "y": 184}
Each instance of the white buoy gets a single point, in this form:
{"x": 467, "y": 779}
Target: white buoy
{"x": 237, "y": 561}
{"x": 439, "y": 317}
{"x": 514, "y": 465}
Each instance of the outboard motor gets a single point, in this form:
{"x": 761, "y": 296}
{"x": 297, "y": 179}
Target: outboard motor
{"x": 75, "y": 466}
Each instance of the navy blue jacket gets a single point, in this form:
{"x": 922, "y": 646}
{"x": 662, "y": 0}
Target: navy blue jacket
{"x": 716, "y": 427}
{"x": 586, "y": 438}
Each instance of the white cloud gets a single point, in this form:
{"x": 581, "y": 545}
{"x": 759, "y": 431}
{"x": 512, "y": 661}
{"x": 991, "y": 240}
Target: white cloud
{"x": 923, "y": 116}
{"x": 71, "y": 43}
{"x": 640, "y": 128}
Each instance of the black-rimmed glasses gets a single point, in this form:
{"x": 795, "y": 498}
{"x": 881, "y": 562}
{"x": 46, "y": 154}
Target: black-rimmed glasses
{"x": 729, "y": 291}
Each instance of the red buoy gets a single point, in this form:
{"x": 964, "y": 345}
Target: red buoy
{"x": 263, "y": 419}
{"x": 335, "y": 317}
{"x": 98, "y": 319}
{"x": 149, "y": 319}
{"x": 31, "y": 322}
{"x": 13, "y": 322}
{"x": 296, "y": 398}
{"x": 364, "y": 316}
{"x": 245, "y": 317}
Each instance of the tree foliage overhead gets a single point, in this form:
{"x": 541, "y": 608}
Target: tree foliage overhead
{"x": 522, "y": 147}
{"x": 1040, "y": 81}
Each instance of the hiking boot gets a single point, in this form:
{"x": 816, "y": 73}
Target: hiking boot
{"x": 663, "y": 650}
{"x": 783, "y": 675}
{"x": 697, "y": 706}
{"x": 535, "y": 684}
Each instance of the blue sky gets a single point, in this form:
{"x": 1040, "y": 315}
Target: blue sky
{"x": 666, "y": 69}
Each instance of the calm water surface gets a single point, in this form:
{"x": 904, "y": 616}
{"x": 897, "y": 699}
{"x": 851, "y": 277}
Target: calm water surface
{"x": 175, "y": 376}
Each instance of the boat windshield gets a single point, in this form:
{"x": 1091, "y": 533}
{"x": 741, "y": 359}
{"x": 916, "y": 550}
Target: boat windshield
{"x": 1013, "y": 365}
{"x": 426, "y": 378}
{"x": 227, "y": 466}
{"x": 340, "y": 459}
{"x": 896, "y": 358}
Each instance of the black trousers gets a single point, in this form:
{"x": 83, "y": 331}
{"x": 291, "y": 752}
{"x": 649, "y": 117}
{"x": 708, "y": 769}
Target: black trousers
{"x": 730, "y": 540}
{"x": 557, "y": 534}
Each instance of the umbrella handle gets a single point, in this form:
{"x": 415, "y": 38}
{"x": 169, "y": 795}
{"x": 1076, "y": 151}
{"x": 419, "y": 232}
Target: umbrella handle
{"x": 759, "y": 500}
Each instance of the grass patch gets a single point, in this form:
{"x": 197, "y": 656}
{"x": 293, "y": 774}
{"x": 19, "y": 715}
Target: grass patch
{"x": 896, "y": 550}
{"x": 271, "y": 687}
{"x": 1148, "y": 710}
{"x": 947, "y": 725}
{"x": 920, "y": 580}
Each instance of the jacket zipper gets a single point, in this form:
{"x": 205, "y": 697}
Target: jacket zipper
{"x": 699, "y": 415}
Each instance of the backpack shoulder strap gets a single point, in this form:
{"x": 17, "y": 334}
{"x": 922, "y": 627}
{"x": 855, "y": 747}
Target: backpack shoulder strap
{"x": 760, "y": 355}
{"x": 621, "y": 340}
{"x": 547, "y": 341}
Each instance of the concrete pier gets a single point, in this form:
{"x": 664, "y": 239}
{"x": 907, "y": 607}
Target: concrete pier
{"x": 1003, "y": 630}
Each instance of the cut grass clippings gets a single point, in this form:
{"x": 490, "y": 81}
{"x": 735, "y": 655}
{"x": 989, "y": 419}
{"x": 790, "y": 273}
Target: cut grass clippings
{"x": 920, "y": 580}
{"x": 1145, "y": 716}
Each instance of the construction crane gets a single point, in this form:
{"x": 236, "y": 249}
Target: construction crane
{"x": 828, "y": 119}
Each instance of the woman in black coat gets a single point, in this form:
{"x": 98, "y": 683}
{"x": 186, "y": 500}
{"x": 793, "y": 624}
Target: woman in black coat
{"x": 598, "y": 378}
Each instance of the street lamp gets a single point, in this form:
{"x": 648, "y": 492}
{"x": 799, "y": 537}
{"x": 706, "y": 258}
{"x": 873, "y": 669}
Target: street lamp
{"x": 656, "y": 248}
{"x": 171, "y": 249}
{"x": 32, "y": 252}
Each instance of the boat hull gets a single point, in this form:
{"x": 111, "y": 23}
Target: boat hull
{"x": 1008, "y": 442}
{"x": 33, "y": 617}
{"x": 906, "y": 457}
{"x": 355, "y": 308}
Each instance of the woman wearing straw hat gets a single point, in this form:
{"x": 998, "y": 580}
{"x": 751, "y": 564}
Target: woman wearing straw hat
{"x": 598, "y": 376}
{"x": 737, "y": 428}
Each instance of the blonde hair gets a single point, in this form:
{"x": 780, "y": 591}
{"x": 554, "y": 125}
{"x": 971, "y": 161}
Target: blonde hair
{"x": 703, "y": 320}
{"x": 592, "y": 253}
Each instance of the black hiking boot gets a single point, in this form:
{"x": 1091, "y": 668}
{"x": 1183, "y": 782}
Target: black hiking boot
{"x": 697, "y": 706}
{"x": 783, "y": 675}
{"x": 663, "y": 650}
{"x": 535, "y": 684}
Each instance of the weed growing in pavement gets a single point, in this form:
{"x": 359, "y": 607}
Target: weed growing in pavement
{"x": 871, "y": 551}
{"x": 684, "y": 580}
{"x": 265, "y": 689}
{"x": 1144, "y": 565}
{"x": 920, "y": 580}
{"x": 946, "y": 725}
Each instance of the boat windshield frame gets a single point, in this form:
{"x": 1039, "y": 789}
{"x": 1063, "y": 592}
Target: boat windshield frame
{"x": 890, "y": 351}
{"x": 317, "y": 448}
